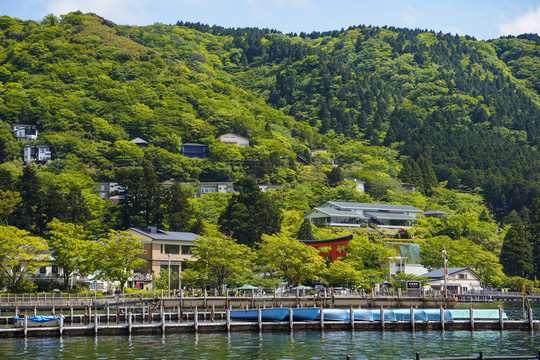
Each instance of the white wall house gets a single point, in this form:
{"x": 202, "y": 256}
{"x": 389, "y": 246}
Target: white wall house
{"x": 458, "y": 280}
{"x": 234, "y": 139}
{"x": 350, "y": 214}
{"x": 36, "y": 153}
{"x": 23, "y": 132}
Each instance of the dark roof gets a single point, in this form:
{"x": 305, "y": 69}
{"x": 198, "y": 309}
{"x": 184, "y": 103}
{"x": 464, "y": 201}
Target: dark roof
{"x": 346, "y": 237}
{"x": 167, "y": 235}
{"x": 439, "y": 273}
{"x": 371, "y": 206}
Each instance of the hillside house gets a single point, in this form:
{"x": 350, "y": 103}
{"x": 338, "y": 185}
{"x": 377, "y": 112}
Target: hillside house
{"x": 350, "y": 214}
{"x": 192, "y": 150}
{"x": 234, "y": 139}
{"x": 22, "y": 132}
{"x": 36, "y": 153}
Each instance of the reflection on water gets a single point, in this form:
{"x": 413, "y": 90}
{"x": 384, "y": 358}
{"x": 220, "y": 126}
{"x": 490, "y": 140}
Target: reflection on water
{"x": 300, "y": 345}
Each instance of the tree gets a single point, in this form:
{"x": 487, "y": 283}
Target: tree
{"x": 305, "y": 232}
{"x": 29, "y": 215}
{"x": 117, "y": 255}
{"x": 289, "y": 259}
{"x": 9, "y": 201}
{"x": 335, "y": 176}
{"x": 69, "y": 247}
{"x": 20, "y": 254}
{"x": 342, "y": 273}
{"x": 516, "y": 257}
{"x": 220, "y": 261}
{"x": 368, "y": 257}
{"x": 250, "y": 214}
{"x": 179, "y": 210}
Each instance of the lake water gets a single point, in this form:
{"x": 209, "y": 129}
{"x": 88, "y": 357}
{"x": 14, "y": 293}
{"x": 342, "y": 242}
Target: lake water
{"x": 300, "y": 345}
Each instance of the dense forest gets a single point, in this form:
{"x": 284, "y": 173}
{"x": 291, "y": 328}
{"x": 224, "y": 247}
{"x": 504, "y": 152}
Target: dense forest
{"x": 458, "y": 117}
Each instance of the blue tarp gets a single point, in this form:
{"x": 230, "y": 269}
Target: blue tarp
{"x": 40, "y": 319}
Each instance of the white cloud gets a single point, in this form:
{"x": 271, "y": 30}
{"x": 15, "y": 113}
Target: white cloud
{"x": 527, "y": 23}
{"x": 408, "y": 18}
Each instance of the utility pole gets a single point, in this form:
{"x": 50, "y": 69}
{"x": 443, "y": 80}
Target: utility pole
{"x": 169, "y": 282}
{"x": 445, "y": 270}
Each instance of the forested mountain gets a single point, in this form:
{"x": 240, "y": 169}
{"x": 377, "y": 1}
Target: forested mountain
{"x": 467, "y": 108}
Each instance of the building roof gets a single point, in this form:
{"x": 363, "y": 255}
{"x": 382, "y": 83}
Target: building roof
{"x": 339, "y": 213}
{"x": 329, "y": 241}
{"x": 373, "y": 207}
{"x": 139, "y": 141}
{"x": 167, "y": 235}
{"x": 439, "y": 273}
{"x": 389, "y": 216}
{"x": 435, "y": 213}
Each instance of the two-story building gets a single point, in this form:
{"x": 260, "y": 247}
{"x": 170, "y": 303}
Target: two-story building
{"x": 23, "y": 132}
{"x": 36, "y": 153}
{"x": 351, "y": 214}
{"x": 458, "y": 280}
{"x": 164, "y": 250}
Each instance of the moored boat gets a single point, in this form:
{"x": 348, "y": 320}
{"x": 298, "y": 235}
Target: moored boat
{"x": 388, "y": 315}
{"x": 479, "y": 314}
{"x": 37, "y": 321}
{"x": 276, "y": 314}
{"x": 363, "y": 315}
{"x": 405, "y": 314}
{"x": 305, "y": 314}
{"x": 435, "y": 315}
{"x": 336, "y": 315}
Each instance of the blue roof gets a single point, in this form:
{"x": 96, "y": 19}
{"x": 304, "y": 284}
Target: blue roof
{"x": 439, "y": 273}
{"x": 167, "y": 235}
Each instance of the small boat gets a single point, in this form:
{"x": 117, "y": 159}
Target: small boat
{"x": 405, "y": 315}
{"x": 276, "y": 314}
{"x": 388, "y": 315}
{"x": 435, "y": 315}
{"x": 305, "y": 314}
{"x": 336, "y": 315}
{"x": 479, "y": 314}
{"x": 37, "y": 321}
{"x": 363, "y": 315}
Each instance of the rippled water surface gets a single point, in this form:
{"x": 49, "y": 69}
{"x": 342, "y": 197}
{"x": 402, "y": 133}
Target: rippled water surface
{"x": 301, "y": 345}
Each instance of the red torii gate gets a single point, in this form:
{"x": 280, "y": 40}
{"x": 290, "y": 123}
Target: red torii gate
{"x": 333, "y": 243}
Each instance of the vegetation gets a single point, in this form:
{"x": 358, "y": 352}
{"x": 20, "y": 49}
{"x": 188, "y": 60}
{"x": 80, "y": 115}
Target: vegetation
{"x": 457, "y": 117}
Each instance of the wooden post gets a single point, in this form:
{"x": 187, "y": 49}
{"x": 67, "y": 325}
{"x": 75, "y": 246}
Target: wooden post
{"x": 417, "y": 356}
{"x": 25, "y": 323}
{"x": 531, "y": 323}
{"x": 96, "y": 322}
{"x": 290, "y": 318}
{"x": 71, "y": 314}
{"x": 501, "y": 317}
{"x": 259, "y": 318}
{"x": 130, "y": 323}
{"x": 212, "y": 313}
{"x": 61, "y": 329}
{"x": 118, "y": 315}
{"x": 179, "y": 314}
{"x": 228, "y": 319}
{"x": 35, "y": 310}
{"x": 442, "y": 318}
{"x": 149, "y": 315}
{"x": 108, "y": 313}
{"x": 196, "y": 320}
{"x": 321, "y": 314}
{"x": 162, "y": 320}
{"x": 471, "y": 317}
{"x": 382, "y": 318}
{"x": 351, "y": 317}
{"x": 412, "y": 319}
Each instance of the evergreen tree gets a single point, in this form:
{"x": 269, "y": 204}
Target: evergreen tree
{"x": 30, "y": 214}
{"x": 305, "y": 232}
{"x": 534, "y": 234}
{"x": 250, "y": 214}
{"x": 179, "y": 210}
{"x": 516, "y": 253}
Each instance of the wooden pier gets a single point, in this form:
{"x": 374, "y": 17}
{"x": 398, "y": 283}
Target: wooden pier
{"x": 147, "y": 322}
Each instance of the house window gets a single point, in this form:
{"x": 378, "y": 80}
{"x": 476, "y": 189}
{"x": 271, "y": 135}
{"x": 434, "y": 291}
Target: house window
{"x": 172, "y": 249}
{"x": 43, "y": 270}
{"x": 54, "y": 269}
{"x": 462, "y": 276}
{"x": 186, "y": 250}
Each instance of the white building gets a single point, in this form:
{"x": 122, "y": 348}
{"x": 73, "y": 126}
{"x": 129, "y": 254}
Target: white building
{"x": 458, "y": 280}
{"x": 23, "y": 132}
{"x": 350, "y": 214}
{"x": 234, "y": 139}
{"x": 36, "y": 153}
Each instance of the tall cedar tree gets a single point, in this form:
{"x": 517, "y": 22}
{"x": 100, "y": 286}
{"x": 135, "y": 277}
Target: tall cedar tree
{"x": 516, "y": 253}
{"x": 250, "y": 214}
{"x": 533, "y": 223}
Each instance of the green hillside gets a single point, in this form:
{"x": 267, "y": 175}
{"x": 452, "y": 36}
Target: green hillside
{"x": 458, "y": 117}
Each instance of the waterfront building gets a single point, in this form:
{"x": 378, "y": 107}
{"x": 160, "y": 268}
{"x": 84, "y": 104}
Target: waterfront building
{"x": 458, "y": 280}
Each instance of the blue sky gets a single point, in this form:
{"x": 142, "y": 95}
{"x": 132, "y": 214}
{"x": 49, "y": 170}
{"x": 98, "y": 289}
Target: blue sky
{"x": 483, "y": 19}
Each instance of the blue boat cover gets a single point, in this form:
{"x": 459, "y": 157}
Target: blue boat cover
{"x": 40, "y": 318}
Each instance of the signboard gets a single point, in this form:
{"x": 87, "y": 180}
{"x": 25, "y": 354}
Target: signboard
{"x": 414, "y": 289}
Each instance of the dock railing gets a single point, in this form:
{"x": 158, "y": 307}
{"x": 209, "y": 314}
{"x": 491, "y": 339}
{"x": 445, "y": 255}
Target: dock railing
{"x": 481, "y": 356}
